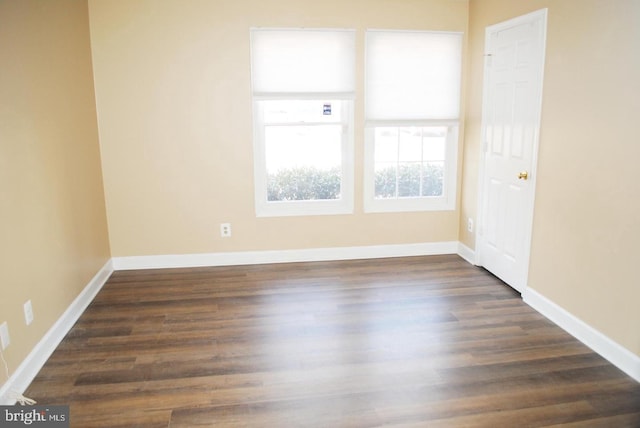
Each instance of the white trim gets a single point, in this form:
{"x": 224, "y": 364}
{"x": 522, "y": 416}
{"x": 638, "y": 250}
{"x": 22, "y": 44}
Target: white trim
{"x": 270, "y": 96}
{"x": 467, "y": 253}
{"x": 411, "y": 122}
{"x": 284, "y": 256}
{"x": 31, "y": 365}
{"x": 617, "y": 355}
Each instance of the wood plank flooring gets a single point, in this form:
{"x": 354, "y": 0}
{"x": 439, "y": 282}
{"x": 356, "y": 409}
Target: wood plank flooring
{"x": 411, "y": 342}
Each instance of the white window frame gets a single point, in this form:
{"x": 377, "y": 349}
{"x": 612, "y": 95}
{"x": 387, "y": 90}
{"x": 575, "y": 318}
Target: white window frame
{"x": 265, "y": 208}
{"x": 447, "y": 201}
{"x": 343, "y": 205}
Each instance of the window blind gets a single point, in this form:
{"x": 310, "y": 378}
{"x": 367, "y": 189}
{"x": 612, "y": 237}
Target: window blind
{"x": 412, "y": 75}
{"x": 300, "y": 61}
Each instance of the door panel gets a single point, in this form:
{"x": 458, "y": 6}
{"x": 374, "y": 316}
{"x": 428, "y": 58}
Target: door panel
{"x": 511, "y": 222}
{"x": 511, "y": 116}
{"x": 494, "y": 195}
{"x": 520, "y": 118}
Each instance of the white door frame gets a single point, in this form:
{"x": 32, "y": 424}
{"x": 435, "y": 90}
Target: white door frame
{"x": 530, "y": 17}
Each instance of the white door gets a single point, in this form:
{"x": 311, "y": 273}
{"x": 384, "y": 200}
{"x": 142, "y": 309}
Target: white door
{"x": 514, "y": 62}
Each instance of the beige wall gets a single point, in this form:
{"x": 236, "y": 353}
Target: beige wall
{"x": 174, "y": 108}
{"x": 587, "y": 212}
{"x": 53, "y": 233}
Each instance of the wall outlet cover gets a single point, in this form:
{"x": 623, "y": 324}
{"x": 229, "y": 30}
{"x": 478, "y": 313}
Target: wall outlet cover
{"x": 28, "y": 312}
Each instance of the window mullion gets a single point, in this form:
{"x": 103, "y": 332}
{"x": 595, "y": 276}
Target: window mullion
{"x": 422, "y": 166}
{"x": 397, "y": 195}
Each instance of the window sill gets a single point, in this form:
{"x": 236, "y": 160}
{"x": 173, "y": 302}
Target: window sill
{"x": 408, "y": 205}
{"x": 303, "y": 208}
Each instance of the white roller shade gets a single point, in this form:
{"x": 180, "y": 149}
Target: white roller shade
{"x": 412, "y": 75}
{"x": 302, "y": 61}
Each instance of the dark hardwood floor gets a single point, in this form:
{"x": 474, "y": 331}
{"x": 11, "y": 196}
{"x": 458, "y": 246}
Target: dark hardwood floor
{"x": 411, "y": 342}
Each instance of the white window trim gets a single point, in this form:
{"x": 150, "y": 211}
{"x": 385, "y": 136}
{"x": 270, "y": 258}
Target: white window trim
{"x": 344, "y": 205}
{"x": 446, "y": 202}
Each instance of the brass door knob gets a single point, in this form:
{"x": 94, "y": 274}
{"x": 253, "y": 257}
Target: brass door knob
{"x": 523, "y": 175}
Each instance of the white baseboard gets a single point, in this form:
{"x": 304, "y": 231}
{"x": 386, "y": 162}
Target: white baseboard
{"x": 27, "y": 371}
{"x": 283, "y": 256}
{"x": 466, "y": 253}
{"x": 618, "y": 355}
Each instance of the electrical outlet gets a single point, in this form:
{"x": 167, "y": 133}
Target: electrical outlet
{"x": 4, "y": 335}
{"x": 470, "y": 225}
{"x": 225, "y": 230}
{"x": 28, "y": 312}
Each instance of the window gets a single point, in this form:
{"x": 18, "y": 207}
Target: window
{"x": 412, "y": 113}
{"x": 303, "y": 90}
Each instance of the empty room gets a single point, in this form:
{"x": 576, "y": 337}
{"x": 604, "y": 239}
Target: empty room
{"x": 287, "y": 213}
